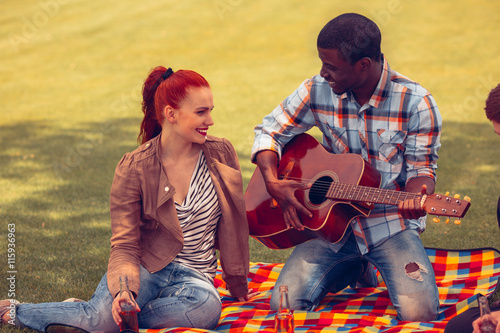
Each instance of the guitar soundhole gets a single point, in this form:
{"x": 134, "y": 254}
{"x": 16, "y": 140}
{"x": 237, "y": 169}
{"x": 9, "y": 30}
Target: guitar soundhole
{"x": 319, "y": 189}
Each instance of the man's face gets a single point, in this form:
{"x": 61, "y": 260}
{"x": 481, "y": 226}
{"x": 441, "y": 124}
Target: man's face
{"x": 496, "y": 127}
{"x": 341, "y": 75}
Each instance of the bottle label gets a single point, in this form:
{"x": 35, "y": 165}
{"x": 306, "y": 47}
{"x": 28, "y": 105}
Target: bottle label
{"x": 283, "y": 323}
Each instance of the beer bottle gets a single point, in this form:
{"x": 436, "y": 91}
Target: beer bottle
{"x": 487, "y": 325}
{"x": 283, "y": 321}
{"x": 127, "y": 313}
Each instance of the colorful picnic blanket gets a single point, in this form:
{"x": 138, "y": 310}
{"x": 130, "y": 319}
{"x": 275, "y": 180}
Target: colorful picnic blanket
{"x": 460, "y": 276}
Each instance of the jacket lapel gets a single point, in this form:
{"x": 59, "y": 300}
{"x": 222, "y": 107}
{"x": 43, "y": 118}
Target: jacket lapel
{"x": 165, "y": 189}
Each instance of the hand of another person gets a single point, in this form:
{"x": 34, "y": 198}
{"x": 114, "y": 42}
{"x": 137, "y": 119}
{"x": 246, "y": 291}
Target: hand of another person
{"x": 116, "y": 306}
{"x": 411, "y": 208}
{"x": 494, "y": 317}
{"x": 283, "y": 191}
{"x": 250, "y": 294}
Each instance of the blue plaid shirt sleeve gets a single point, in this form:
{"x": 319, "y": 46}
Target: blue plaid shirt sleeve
{"x": 422, "y": 144}
{"x": 293, "y": 116}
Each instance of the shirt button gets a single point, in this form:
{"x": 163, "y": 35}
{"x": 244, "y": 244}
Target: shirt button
{"x": 147, "y": 145}
{"x": 167, "y": 189}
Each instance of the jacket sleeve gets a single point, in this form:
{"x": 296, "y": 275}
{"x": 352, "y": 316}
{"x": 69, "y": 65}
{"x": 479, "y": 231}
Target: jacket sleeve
{"x": 125, "y": 210}
{"x": 233, "y": 229}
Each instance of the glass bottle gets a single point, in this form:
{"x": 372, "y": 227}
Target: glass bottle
{"x": 127, "y": 313}
{"x": 283, "y": 321}
{"x": 487, "y": 325}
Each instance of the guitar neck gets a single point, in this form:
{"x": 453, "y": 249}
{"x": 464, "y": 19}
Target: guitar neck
{"x": 348, "y": 192}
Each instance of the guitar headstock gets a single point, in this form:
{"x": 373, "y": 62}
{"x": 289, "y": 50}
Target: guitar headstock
{"x": 446, "y": 205}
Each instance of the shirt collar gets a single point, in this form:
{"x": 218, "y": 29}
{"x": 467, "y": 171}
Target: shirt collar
{"x": 383, "y": 87}
{"x": 381, "y": 91}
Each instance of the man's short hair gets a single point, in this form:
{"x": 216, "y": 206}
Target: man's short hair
{"x": 354, "y": 35}
{"x": 492, "y": 107}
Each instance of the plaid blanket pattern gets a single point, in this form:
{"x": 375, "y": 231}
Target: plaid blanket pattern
{"x": 460, "y": 276}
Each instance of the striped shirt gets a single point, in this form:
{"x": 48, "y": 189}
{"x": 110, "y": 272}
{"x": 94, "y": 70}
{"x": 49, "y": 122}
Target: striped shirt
{"x": 198, "y": 216}
{"x": 397, "y": 131}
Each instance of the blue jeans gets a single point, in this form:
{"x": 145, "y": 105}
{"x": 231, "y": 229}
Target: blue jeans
{"x": 314, "y": 269}
{"x": 175, "y": 296}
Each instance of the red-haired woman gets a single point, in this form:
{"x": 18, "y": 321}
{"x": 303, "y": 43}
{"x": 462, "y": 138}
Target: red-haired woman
{"x": 174, "y": 200}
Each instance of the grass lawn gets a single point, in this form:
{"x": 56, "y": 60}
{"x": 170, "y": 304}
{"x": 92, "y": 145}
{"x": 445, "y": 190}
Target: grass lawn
{"x": 71, "y": 77}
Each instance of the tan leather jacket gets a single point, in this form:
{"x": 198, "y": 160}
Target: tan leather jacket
{"x": 144, "y": 221}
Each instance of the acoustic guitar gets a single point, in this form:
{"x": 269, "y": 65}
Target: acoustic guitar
{"x": 344, "y": 186}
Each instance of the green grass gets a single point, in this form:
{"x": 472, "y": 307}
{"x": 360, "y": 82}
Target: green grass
{"x": 71, "y": 76}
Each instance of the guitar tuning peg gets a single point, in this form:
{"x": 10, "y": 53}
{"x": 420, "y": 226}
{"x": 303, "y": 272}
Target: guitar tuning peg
{"x": 467, "y": 198}
{"x": 447, "y": 220}
{"x": 457, "y": 196}
{"x": 436, "y": 219}
{"x": 447, "y": 193}
{"x": 457, "y": 221}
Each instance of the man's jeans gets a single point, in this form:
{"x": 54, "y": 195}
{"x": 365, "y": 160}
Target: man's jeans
{"x": 175, "y": 296}
{"x": 313, "y": 270}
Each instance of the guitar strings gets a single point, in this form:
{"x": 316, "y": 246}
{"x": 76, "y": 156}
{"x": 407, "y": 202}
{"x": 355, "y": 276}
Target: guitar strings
{"x": 321, "y": 187}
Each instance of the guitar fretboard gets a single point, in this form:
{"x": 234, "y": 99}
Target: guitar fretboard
{"x": 348, "y": 192}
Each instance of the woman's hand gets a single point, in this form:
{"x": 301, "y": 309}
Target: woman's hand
{"x": 116, "y": 306}
{"x": 250, "y": 294}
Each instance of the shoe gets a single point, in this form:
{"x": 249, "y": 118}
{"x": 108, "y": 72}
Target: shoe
{"x": 5, "y": 306}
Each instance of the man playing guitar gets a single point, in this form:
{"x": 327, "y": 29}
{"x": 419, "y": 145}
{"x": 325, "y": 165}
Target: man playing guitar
{"x": 362, "y": 107}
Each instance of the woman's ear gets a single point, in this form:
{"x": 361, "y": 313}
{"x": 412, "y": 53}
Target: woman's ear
{"x": 169, "y": 113}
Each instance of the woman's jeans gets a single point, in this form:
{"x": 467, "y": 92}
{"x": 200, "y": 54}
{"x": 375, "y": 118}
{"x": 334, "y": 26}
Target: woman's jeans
{"x": 176, "y": 296}
{"x": 314, "y": 269}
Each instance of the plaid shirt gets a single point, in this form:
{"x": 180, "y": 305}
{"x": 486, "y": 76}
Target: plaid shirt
{"x": 397, "y": 131}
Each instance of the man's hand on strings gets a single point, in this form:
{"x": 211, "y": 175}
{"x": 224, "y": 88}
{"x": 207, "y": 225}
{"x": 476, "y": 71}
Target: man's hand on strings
{"x": 283, "y": 191}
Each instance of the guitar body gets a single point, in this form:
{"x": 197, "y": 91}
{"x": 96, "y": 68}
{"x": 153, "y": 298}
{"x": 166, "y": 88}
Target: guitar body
{"x": 304, "y": 158}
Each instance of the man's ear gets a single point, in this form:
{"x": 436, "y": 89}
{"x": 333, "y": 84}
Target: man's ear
{"x": 364, "y": 64}
{"x": 169, "y": 113}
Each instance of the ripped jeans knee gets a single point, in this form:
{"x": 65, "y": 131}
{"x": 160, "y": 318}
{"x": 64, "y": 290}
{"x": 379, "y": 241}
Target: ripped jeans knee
{"x": 414, "y": 270}
{"x": 408, "y": 275}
